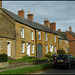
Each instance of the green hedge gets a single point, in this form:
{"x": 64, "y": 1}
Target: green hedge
{"x": 60, "y": 52}
{"x": 3, "y": 58}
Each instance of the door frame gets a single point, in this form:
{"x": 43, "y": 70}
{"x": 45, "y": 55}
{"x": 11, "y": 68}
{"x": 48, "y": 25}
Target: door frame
{"x": 29, "y": 49}
{"x": 10, "y": 48}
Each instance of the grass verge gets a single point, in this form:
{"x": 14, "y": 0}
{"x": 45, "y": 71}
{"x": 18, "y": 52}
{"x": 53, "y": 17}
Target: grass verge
{"x": 28, "y": 69}
{"x": 27, "y": 60}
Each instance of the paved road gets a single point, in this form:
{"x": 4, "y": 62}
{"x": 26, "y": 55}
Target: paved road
{"x": 56, "y": 71}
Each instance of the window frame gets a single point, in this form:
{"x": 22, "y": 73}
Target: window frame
{"x": 32, "y": 49}
{"x": 39, "y": 35}
{"x": 55, "y": 49}
{"x": 22, "y": 47}
{"x": 60, "y": 42}
{"x": 22, "y": 32}
{"x": 54, "y": 38}
{"x": 46, "y": 39}
{"x": 32, "y": 35}
{"x": 46, "y": 48}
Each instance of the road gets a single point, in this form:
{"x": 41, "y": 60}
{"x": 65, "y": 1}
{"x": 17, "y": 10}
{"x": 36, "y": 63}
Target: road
{"x": 56, "y": 71}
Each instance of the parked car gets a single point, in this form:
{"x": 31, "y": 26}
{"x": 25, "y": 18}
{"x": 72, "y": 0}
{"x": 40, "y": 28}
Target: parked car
{"x": 64, "y": 60}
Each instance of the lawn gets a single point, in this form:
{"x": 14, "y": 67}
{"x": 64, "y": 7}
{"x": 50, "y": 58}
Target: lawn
{"x": 27, "y": 60}
{"x": 27, "y": 69}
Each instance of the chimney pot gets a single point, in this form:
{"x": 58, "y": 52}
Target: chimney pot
{"x": 28, "y": 12}
{"x": 53, "y": 26}
{"x": 59, "y": 30}
{"x": 46, "y": 22}
{"x": 70, "y": 29}
{"x": 45, "y": 19}
{"x": 21, "y": 13}
{"x": 30, "y": 16}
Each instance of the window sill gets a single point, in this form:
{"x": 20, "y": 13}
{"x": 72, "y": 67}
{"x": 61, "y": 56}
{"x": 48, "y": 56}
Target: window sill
{"x": 32, "y": 53}
{"x": 22, "y": 38}
{"x": 22, "y": 53}
{"x": 32, "y": 40}
{"x": 39, "y": 39}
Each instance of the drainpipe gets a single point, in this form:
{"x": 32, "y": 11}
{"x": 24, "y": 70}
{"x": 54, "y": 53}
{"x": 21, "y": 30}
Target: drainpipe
{"x": 36, "y": 43}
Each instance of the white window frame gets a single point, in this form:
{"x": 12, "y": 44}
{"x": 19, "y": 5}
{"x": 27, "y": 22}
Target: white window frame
{"x": 60, "y": 42}
{"x": 23, "y": 48}
{"x": 55, "y": 49}
{"x": 46, "y": 48}
{"x": 22, "y": 32}
{"x": 32, "y": 49}
{"x": 32, "y": 36}
{"x": 46, "y": 37}
{"x": 66, "y": 42}
{"x": 54, "y": 38}
{"x": 66, "y": 50}
{"x": 51, "y": 48}
{"x": 39, "y": 35}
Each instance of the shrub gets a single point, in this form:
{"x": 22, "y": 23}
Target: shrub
{"x": 60, "y": 52}
{"x": 28, "y": 57}
{"x": 25, "y": 57}
{"x": 3, "y": 58}
{"x": 48, "y": 55}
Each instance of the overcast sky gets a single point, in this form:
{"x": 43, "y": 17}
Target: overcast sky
{"x": 61, "y": 12}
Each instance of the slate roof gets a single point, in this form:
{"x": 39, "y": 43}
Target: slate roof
{"x": 28, "y": 22}
{"x": 62, "y": 35}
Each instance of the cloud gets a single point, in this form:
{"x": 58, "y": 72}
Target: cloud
{"x": 61, "y": 12}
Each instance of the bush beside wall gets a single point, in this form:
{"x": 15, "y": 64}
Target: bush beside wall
{"x": 3, "y": 58}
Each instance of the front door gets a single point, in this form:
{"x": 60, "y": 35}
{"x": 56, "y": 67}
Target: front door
{"x": 39, "y": 51}
{"x": 9, "y": 49}
{"x": 28, "y": 49}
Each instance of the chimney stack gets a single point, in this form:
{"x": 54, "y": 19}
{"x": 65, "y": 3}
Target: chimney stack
{"x": 70, "y": 29}
{"x": 30, "y": 16}
{"x": 21, "y": 13}
{"x": 0, "y": 3}
{"x": 46, "y": 22}
{"x": 59, "y": 30}
{"x": 53, "y": 26}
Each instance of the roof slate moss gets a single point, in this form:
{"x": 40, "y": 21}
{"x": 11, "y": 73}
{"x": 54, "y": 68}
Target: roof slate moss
{"x": 29, "y": 23}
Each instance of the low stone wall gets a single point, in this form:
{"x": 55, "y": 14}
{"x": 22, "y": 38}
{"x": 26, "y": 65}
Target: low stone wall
{"x": 4, "y": 64}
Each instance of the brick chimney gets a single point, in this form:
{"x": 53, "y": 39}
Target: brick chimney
{"x": 59, "y": 30}
{"x": 53, "y": 26}
{"x": 21, "y": 13}
{"x": 30, "y": 16}
{"x": 46, "y": 22}
{"x": 0, "y": 3}
{"x": 70, "y": 29}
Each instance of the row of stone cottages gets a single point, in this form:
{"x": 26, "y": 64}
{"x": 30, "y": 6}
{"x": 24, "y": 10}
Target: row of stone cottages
{"x": 20, "y": 36}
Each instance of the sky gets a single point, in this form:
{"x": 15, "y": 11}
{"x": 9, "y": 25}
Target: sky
{"x": 61, "y": 12}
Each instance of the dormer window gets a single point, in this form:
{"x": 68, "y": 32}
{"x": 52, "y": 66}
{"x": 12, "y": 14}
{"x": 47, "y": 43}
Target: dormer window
{"x": 22, "y": 33}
